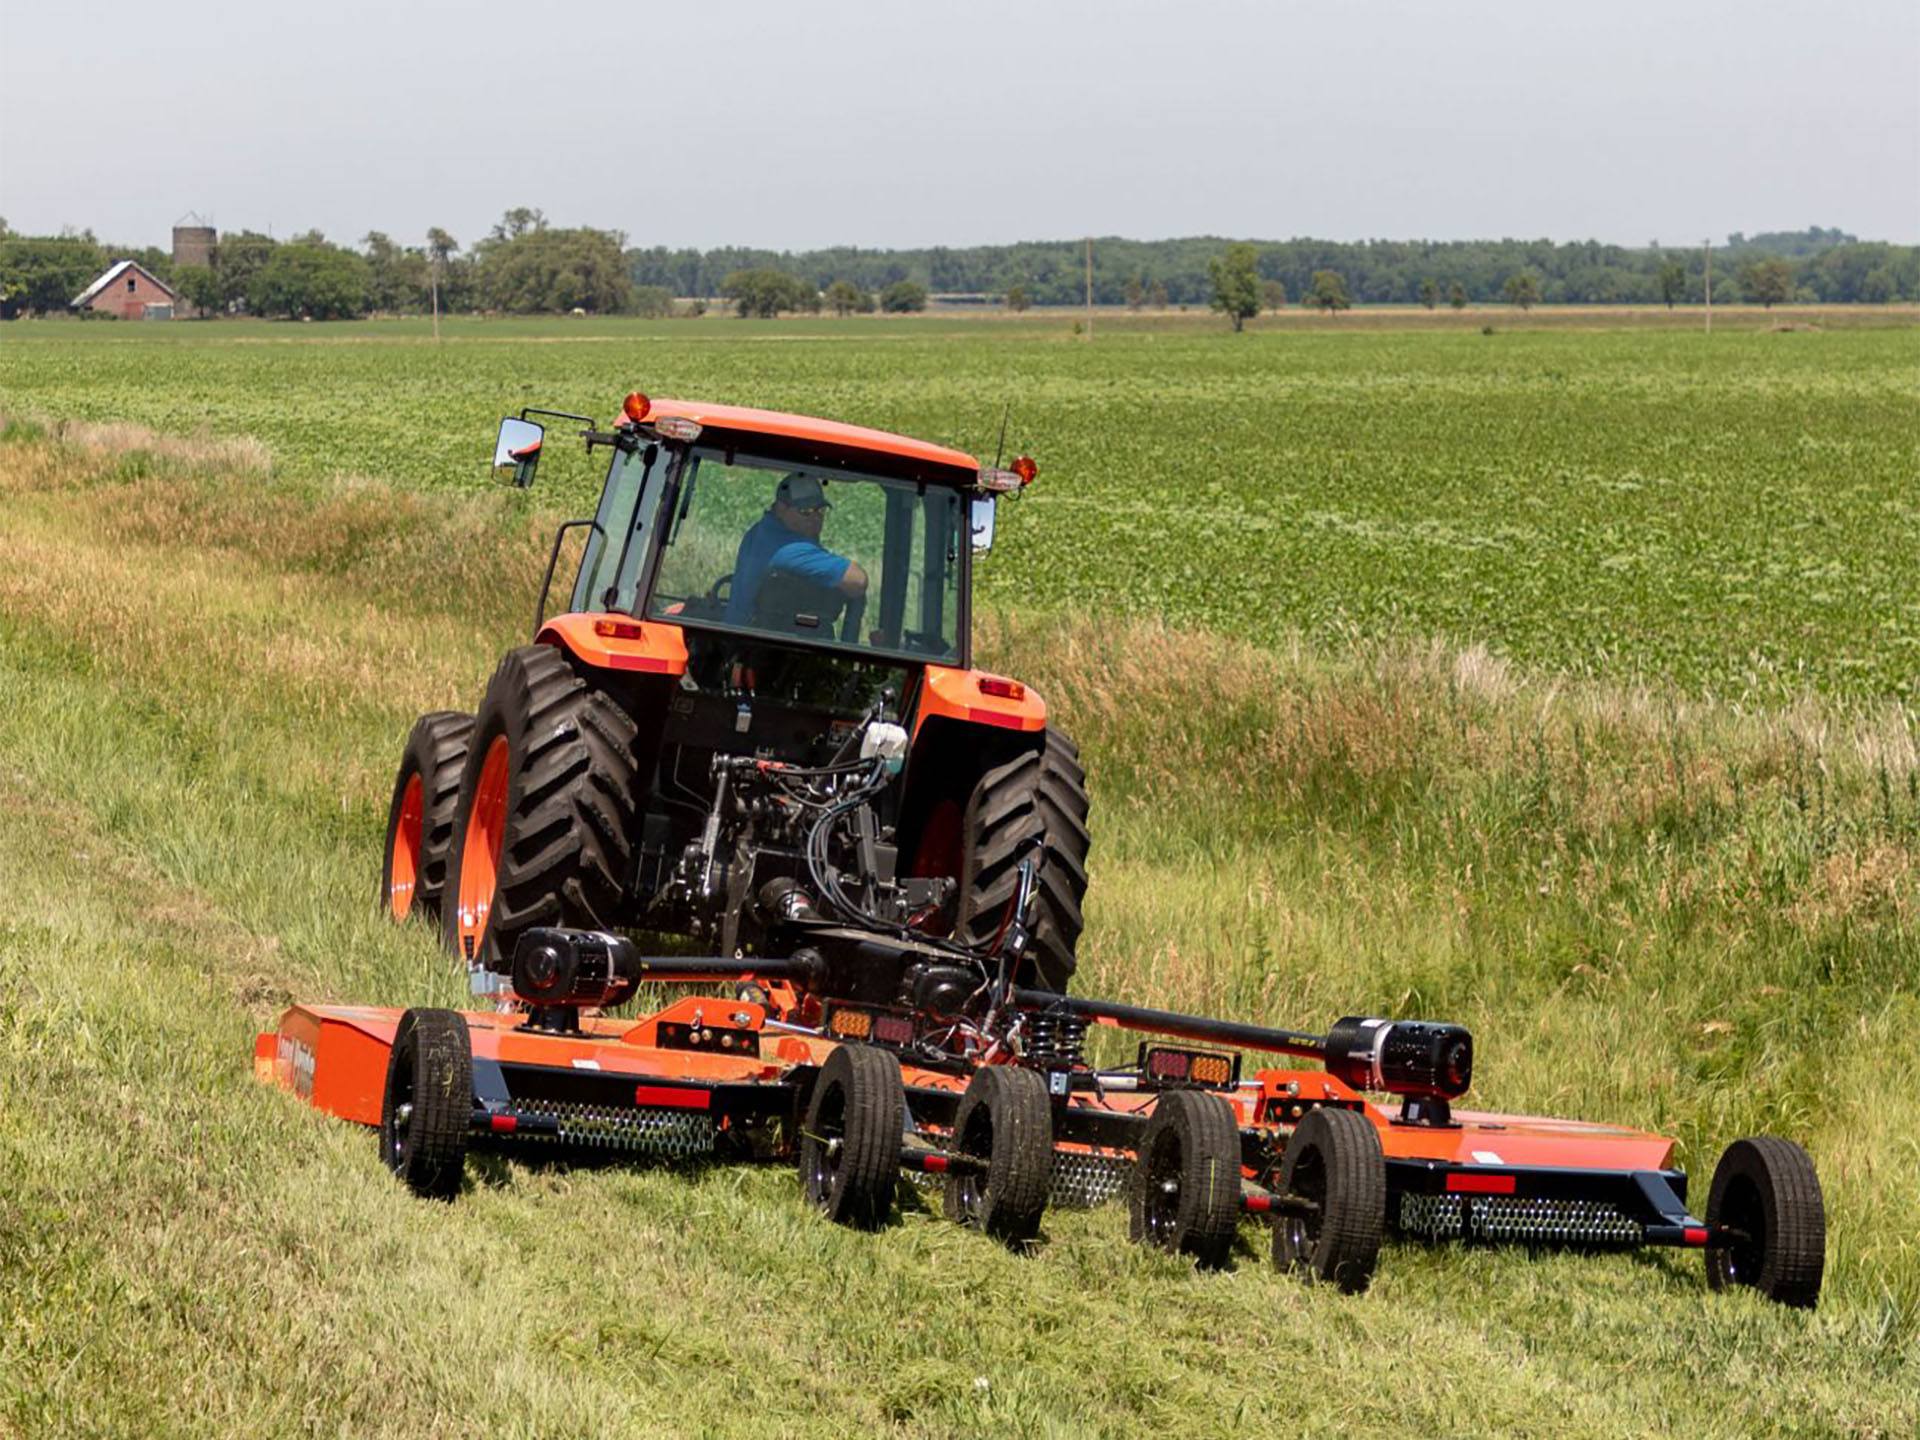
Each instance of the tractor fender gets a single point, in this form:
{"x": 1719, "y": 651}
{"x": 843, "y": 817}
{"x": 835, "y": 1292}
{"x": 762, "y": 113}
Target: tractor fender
{"x": 976, "y": 697}
{"x": 618, "y": 642}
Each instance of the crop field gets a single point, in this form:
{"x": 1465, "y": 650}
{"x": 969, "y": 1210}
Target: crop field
{"x": 1554, "y": 682}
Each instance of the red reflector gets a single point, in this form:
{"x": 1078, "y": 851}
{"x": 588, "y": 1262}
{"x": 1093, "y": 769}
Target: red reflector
{"x": 1259, "y": 1204}
{"x": 1695, "y": 1234}
{"x": 619, "y": 630}
{"x": 504, "y": 1124}
{"x": 1005, "y": 689}
{"x": 1470, "y": 1184}
{"x": 936, "y": 1164}
{"x": 672, "y": 1098}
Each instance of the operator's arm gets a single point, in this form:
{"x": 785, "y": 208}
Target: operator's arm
{"x": 813, "y": 562}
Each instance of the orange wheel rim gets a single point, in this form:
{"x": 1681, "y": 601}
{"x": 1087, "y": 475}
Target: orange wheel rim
{"x": 403, "y": 875}
{"x": 480, "y": 851}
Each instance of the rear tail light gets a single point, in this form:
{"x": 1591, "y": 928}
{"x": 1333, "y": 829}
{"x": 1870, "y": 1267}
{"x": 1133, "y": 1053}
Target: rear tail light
{"x": 619, "y": 630}
{"x": 1005, "y": 689}
{"x": 850, "y": 1024}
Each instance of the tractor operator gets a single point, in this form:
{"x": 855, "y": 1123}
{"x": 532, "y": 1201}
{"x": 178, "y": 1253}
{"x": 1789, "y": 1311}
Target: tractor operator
{"x": 786, "y": 542}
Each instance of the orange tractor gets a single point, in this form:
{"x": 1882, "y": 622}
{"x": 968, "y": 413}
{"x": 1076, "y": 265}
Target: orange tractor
{"x": 766, "y": 605}
{"x": 758, "y": 728}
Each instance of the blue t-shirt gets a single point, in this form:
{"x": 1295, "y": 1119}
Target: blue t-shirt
{"x": 770, "y": 547}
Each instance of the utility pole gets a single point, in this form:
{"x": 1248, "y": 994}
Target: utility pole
{"x": 433, "y": 271}
{"x": 1089, "y": 289}
{"x": 1707, "y": 248}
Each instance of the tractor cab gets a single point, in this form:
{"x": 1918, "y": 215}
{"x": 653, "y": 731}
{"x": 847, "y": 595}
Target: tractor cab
{"x": 757, "y": 711}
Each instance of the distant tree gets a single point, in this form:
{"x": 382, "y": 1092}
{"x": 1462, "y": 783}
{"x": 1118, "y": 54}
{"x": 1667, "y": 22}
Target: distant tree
{"x": 200, "y": 288}
{"x": 653, "y": 302}
{"x": 547, "y": 271}
{"x": 1457, "y": 295}
{"x": 240, "y": 257}
{"x": 321, "y": 282}
{"x": 1329, "y": 292}
{"x": 1767, "y": 281}
{"x": 1236, "y": 284}
{"x": 1880, "y": 286}
{"x": 1522, "y": 290}
{"x": 1134, "y": 292}
{"x": 763, "y": 292}
{"x": 1157, "y": 295}
{"x": 517, "y": 222}
{"x": 43, "y": 274}
{"x": 1273, "y": 296}
{"x": 845, "y": 298}
{"x": 396, "y": 277}
{"x": 1429, "y": 292}
{"x": 1017, "y": 298}
{"x": 903, "y": 296}
{"x": 1673, "y": 281}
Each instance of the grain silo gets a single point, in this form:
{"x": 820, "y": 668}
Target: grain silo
{"x": 193, "y": 244}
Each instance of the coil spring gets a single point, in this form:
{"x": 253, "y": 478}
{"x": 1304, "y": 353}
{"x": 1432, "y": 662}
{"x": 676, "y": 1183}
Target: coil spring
{"x": 1056, "y": 1042}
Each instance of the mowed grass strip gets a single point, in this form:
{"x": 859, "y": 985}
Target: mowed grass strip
{"x": 1648, "y": 909}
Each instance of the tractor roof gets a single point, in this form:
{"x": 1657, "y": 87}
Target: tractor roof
{"x": 745, "y": 420}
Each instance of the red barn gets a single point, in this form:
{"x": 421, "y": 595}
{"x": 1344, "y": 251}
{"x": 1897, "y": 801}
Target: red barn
{"x": 130, "y": 291}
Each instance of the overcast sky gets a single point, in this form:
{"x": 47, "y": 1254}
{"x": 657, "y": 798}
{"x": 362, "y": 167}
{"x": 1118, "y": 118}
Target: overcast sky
{"x": 842, "y": 122}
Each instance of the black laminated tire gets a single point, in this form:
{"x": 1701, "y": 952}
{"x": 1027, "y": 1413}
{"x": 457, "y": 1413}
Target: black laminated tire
{"x": 543, "y": 830}
{"x": 1766, "y": 1187}
{"x": 1034, "y": 804}
{"x": 1185, "y": 1196}
{"x": 426, "y": 792}
{"x": 850, "y": 1139}
{"x": 427, "y": 1108}
{"x": 1006, "y": 1119}
{"x": 1333, "y": 1160}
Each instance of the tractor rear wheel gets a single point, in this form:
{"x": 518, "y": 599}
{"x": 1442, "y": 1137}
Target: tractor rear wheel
{"x": 544, "y": 824}
{"x": 1005, "y": 1119}
{"x": 427, "y": 1109}
{"x": 420, "y": 819}
{"x": 1333, "y": 1162}
{"x": 1033, "y": 805}
{"x": 850, "y": 1140}
{"x": 1766, "y": 1188}
{"x": 1186, "y": 1178}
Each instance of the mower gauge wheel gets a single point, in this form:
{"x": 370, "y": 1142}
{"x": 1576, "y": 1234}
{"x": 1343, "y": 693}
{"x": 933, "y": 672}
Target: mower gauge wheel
{"x": 1766, "y": 1189}
{"x": 1186, "y": 1178}
{"x": 428, "y": 1105}
{"x": 850, "y": 1139}
{"x": 1333, "y": 1162}
{"x": 1006, "y": 1119}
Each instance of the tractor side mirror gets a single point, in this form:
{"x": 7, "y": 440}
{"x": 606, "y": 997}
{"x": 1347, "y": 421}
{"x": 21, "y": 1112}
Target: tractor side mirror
{"x": 518, "y": 450}
{"x": 980, "y": 523}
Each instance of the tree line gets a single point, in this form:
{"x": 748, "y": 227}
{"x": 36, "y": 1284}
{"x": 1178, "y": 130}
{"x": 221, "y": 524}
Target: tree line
{"x": 525, "y": 265}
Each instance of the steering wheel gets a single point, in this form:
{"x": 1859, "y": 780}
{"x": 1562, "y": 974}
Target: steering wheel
{"x": 721, "y": 588}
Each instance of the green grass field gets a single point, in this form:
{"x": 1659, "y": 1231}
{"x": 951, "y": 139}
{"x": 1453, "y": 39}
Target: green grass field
{"x": 1549, "y": 682}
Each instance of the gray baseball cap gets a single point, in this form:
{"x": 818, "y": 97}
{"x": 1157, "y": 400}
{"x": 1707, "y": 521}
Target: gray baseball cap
{"x": 803, "y": 492}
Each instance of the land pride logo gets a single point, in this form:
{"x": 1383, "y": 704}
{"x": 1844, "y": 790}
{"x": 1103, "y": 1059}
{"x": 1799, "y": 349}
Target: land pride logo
{"x": 295, "y": 1061}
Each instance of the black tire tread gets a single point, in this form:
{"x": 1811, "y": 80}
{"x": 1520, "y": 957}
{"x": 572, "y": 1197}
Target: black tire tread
{"x": 1353, "y": 1217}
{"x": 572, "y": 782}
{"x": 1208, "y": 1217}
{"x": 862, "y": 1194}
{"x": 436, "y": 750}
{"x": 1012, "y": 1195}
{"x": 1040, "y": 792}
{"x": 435, "y": 1045}
{"x": 1794, "y": 1255}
